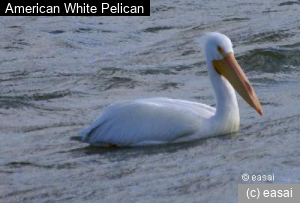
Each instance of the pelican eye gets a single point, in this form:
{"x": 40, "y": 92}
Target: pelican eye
{"x": 221, "y": 51}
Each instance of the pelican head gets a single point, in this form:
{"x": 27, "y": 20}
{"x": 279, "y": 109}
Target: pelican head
{"x": 223, "y": 65}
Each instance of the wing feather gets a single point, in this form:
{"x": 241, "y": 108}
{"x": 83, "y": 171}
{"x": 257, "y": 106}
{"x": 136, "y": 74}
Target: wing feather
{"x": 146, "y": 121}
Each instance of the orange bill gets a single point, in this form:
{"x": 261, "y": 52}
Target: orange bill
{"x": 231, "y": 70}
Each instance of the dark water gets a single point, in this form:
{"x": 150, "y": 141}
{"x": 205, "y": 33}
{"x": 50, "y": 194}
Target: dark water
{"x": 57, "y": 73}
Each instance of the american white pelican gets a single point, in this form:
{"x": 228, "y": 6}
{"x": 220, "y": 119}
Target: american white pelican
{"x": 164, "y": 120}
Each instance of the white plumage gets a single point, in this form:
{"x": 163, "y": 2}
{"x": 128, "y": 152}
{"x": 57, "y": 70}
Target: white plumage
{"x": 164, "y": 120}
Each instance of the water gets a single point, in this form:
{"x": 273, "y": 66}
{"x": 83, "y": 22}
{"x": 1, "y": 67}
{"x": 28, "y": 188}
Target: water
{"x": 57, "y": 73}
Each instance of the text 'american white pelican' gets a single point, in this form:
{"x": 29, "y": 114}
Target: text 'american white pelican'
{"x": 164, "y": 120}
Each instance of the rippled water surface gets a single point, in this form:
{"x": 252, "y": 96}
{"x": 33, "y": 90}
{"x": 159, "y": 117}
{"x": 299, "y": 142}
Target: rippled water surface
{"x": 57, "y": 73}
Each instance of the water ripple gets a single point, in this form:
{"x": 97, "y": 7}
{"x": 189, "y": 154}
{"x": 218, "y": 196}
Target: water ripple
{"x": 270, "y": 60}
